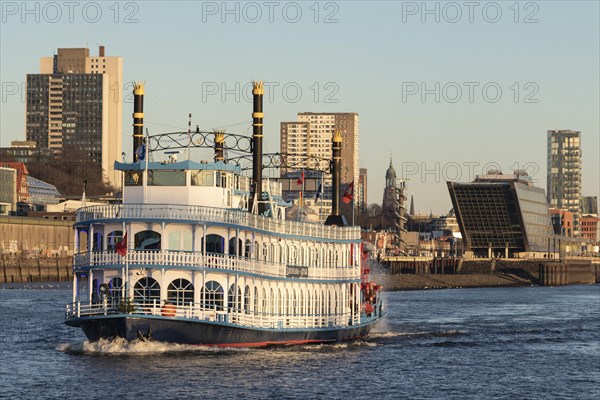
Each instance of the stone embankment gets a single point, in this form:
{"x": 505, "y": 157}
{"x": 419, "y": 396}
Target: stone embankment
{"x": 488, "y": 273}
{"x": 18, "y": 269}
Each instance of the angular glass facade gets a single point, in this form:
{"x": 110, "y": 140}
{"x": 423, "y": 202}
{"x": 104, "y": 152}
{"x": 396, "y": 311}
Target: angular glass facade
{"x": 501, "y": 215}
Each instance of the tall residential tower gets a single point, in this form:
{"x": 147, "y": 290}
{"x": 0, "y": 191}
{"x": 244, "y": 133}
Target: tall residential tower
{"x": 311, "y": 136}
{"x": 564, "y": 173}
{"x": 76, "y": 102}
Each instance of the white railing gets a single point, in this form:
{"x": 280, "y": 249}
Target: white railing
{"x": 211, "y": 214}
{"x": 195, "y": 312}
{"x": 177, "y": 259}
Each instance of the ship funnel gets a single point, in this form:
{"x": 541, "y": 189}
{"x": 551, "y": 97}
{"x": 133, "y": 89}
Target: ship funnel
{"x": 336, "y": 169}
{"x": 138, "y": 117}
{"x": 257, "y": 141}
{"x": 219, "y": 142}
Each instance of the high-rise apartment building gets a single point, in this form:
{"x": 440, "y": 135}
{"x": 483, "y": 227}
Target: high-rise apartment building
{"x": 311, "y": 136}
{"x": 564, "y": 173}
{"x": 76, "y": 102}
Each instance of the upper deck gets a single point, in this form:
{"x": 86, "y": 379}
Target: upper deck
{"x": 199, "y": 214}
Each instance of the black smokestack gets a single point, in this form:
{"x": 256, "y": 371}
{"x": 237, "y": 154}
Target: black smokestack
{"x": 336, "y": 169}
{"x": 219, "y": 142}
{"x": 138, "y": 117}
{"x": 257, "y": 136}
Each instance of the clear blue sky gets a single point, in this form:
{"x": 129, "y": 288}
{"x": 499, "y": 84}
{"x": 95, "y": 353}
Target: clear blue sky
{"x": 374, "y": 58}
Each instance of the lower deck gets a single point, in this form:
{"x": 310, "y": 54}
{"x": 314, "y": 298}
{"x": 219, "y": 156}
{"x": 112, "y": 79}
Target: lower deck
{"x": 185, "y": 331}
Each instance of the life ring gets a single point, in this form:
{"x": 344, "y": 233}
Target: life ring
{"x": 168, "y": 310}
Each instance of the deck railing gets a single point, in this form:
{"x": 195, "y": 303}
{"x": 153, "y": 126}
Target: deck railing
{"x": 178, "y": 259}
{"x": 240, "y": 317}
{"x": 212, "y": 214}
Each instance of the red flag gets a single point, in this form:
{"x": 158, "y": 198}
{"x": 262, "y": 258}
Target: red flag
{"x": 301, "y": 179}
{"x": 121, "y": 246}
{"x": 349, "y": 194}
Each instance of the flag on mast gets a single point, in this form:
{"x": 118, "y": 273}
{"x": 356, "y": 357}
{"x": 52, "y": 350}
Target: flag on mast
{"x": 349, "y": 194}
{"x": 121, "y": 246}
{"x": 301, "y": 179}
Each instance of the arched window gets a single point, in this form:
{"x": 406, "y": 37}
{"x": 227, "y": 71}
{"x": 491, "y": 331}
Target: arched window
{"x": 147, "y": 240}
{"x": 295, "y": 303}
{"x": 301, "y": 302}
{"x": 255, "y": 300}
{"x": 279, "y": 302}
{"x": 272, "y": 302}
{"x": 146, "y": 290}
{"x": 180, "y": 292}
{"x": 215, "y": 244}
{"x": 247, "y": 299}
{"x": 115, "y": 289}
{"x": 213, "y": 295}
{"x": 232, "y": 249}
{"x": 264, "y": 302}
{"x": 112, "y": 239}
{"x": 248, "y": 249}
{"x": 233, "y": 303}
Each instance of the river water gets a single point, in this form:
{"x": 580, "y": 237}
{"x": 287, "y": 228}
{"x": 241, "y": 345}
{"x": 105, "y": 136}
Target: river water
{"x": 503, "y": 343}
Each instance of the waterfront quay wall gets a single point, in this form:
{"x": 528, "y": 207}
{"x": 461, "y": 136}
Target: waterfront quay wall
{"x": 452, "y": 273}
{"x": 17, "y": 269}
{"x": 35, "y": 250}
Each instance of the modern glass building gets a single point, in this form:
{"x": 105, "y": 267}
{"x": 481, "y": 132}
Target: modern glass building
{"x": 502, "y": 215}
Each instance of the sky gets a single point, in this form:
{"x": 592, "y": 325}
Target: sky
{"x": 447, "y": 89}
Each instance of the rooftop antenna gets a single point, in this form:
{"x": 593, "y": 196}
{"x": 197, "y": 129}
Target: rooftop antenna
{"x": 189, "y": 135}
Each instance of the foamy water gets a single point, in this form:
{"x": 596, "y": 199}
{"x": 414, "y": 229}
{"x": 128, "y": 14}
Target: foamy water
{"x": 120, "y": 346}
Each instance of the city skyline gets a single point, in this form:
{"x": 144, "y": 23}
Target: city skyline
{"x": 405, "y": 90}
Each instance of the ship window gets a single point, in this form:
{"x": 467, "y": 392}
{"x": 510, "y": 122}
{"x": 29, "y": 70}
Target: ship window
{"x": 272, "y": 303}
{"x": 95, "y": 291}
{"x": 279, "y": 302}
{"x": 147, "y": 240}
{"x": 232, "y": 249}
{"x": 180, "y": 240}
{"x": 248, "y": 249}
{"x": 146, "y": 290}
{"x": 115, "y": 288}
{"x": 112, "y": 239}
{"x": 203, "y": 178}
{"x": 295, "y": 303}
{"x": 97, "y": 242}
{"x": 212, "y": 293}
{"x": 166, "y": 178}
{"x": 180, "y": 292}
{"x": 255, "y": 300}
{"x": 215, "y": 244}
{"x": 234, "y": 304}
{"x": 247, "y": 299}
{"x": 133, "y": 178}
{"x": 264, "y": 301}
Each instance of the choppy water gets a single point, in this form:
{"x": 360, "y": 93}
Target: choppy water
{"x": 506, "y": 343}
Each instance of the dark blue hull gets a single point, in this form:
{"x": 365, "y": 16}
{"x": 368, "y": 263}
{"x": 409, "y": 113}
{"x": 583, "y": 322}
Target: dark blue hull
{"x": 179, "y": 330}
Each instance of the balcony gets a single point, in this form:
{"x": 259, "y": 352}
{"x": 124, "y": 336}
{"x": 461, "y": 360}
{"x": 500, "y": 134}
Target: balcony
{"x": 196, "y": 260}
{"x": 242, "y": 218}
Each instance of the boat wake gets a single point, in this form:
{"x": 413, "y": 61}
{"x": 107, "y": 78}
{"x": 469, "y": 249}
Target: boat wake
{"x": 120, "y": 346}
